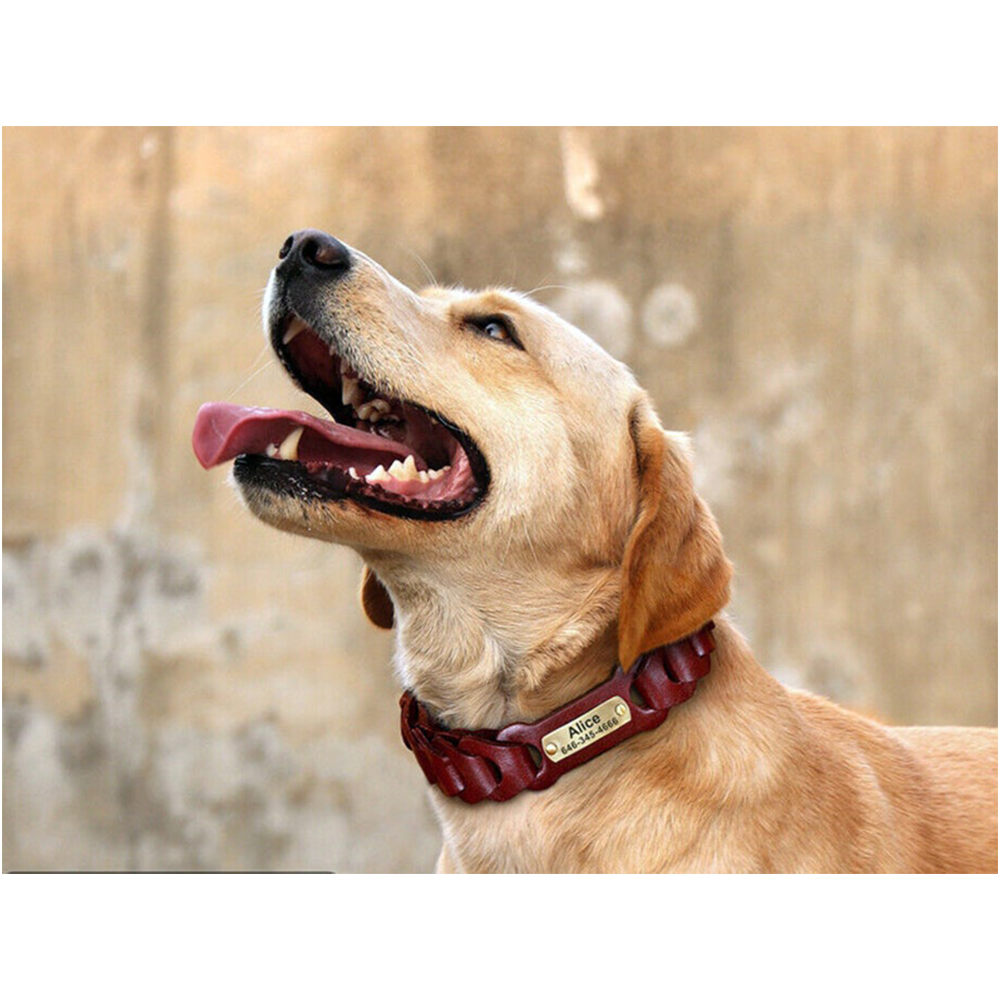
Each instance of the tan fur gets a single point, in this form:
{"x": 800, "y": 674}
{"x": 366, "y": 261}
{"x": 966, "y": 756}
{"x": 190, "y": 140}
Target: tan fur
{"x": 674, "y": 574}
{"x": 592, "y": 546}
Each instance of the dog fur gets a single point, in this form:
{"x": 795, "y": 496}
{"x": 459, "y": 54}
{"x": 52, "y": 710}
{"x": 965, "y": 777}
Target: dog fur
{"x": 591, "y": 547}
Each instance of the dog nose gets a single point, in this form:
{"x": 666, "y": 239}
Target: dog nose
{"x": 316, "y": 251}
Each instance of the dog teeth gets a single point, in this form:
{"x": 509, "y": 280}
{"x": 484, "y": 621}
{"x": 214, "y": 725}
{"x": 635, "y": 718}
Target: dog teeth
{"x": 351, "y": 392}
{"x": 271, "y": 450}
{"x": 353, "y": 473}
{"x": 373, "y": 410}
{"x": 295, "y": 327}
{"x": 289, "y": 448}
{"x": 405, "y": 471}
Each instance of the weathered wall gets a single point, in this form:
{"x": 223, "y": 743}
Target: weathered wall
{"x": 185, "y": 688}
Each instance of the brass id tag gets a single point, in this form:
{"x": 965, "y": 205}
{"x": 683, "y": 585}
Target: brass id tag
{"x": 586, "y": 729}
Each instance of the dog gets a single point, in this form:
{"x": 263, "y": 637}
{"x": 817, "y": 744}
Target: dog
{"x": 576, "y": 693}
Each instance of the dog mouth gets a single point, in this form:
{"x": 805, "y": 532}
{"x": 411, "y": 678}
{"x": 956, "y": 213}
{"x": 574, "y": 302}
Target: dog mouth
{"x": 382, "y": 452}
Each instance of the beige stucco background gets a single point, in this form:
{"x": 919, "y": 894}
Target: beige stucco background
{"x": 185, "y": 688}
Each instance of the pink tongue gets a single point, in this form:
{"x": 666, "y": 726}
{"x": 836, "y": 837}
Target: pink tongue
{"x": 223, "y": 431}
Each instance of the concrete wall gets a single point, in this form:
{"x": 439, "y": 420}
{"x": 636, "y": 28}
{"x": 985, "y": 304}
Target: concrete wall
{"x": 185, "y": 688}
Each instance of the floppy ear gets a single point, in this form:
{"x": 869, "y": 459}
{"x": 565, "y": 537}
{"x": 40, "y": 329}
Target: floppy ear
{"x": 675, "y": 576}
{"x": 375, "y": 599}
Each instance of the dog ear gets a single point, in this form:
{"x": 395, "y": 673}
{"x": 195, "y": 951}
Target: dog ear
{"x": 375, "y": 599}
{"x": 675, "y": 576}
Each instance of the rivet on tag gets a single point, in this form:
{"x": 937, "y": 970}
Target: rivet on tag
{"x": 551, "y": 748}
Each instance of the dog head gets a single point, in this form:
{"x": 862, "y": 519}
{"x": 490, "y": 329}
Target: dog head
{"x": 472, "y": 430}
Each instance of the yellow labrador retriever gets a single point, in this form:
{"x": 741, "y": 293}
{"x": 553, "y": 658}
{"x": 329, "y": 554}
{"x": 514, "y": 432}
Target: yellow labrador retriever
{"x": 527, "y": 525}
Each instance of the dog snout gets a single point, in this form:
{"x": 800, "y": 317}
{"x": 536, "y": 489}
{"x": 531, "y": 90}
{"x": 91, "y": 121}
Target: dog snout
{"x": 314, "y": 252}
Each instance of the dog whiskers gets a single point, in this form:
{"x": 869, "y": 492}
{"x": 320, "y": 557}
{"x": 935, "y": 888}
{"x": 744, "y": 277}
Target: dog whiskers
{"x": 547, "y": 288}
{"x": 531, "y": 545}
{"x": 248, "y": 380}
{"x": 426, "y": 269}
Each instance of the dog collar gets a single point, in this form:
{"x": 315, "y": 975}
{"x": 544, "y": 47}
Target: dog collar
{"x": 498, "y": 764}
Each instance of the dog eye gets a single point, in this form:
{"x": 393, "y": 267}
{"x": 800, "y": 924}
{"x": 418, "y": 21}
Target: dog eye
{"x": 494, "y": 327}
{"x": 496, "y": 330}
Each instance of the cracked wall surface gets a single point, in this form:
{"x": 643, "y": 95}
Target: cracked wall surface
{"x": 186, "y": 689}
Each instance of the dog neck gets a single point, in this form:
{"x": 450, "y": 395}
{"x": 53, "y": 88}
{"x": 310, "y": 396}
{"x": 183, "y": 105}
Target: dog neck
{"x": 476, "y": 663}
{"x": 731, "y": 745}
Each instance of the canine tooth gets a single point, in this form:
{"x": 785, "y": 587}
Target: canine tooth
{"x": 378, "y": 475}
{"x": 295, "y": 327}
{"x": 289, "y": 450}
{"x": 353, "y": 472}
{"x": 344, "y": 367}
{"x": 351, "y": 393}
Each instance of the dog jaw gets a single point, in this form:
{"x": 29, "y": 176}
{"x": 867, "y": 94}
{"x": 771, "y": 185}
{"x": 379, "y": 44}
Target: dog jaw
{"x": 529, "y": 413}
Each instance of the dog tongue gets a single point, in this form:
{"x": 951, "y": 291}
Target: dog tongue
{"x": 223, "y": 431}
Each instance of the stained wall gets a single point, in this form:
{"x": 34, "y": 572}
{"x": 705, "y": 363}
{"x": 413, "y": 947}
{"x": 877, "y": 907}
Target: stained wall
{"x": 186, "y": 689}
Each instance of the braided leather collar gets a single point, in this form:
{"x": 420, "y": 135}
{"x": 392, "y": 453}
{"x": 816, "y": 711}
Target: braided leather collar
{"x": 498, "y": 764}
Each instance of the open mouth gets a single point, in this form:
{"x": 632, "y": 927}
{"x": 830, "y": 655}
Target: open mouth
{"x": 385, "y": 453}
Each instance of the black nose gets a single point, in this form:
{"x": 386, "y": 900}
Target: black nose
{"x": 316, "y": 251}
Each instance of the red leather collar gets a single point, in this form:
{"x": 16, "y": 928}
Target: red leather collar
{"x": 498, "y": 764}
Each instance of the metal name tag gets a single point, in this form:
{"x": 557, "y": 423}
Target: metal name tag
{"x": 586, "y": 729}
